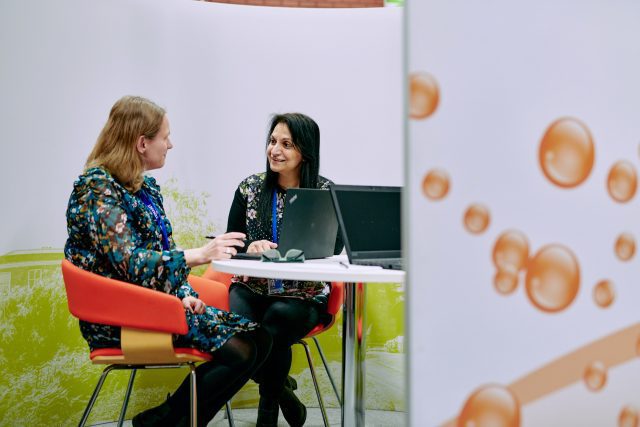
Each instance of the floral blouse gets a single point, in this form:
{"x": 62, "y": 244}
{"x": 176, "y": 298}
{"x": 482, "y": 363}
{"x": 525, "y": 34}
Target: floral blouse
{"x": 114, "y": 234}
{"x": 243, "y": 217}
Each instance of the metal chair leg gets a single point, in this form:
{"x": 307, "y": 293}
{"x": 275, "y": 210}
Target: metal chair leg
{"x": 326, "y": 368}
{"x": 94, "y": 396}
{"x": 325, "y": 419}
{"x": 194, "y": 395}
{"x": 227, "y": 407}
{"x": 127, "y": 395}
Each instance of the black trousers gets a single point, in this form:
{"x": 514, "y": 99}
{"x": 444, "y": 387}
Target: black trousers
{"x": 286, "y": 319}
{"x": 232, "y": 366}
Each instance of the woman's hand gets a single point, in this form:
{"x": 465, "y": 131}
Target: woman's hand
{"x": 261, "y": 246}
{"x": 222, "y": 247}
{"x": 193, "y": 304}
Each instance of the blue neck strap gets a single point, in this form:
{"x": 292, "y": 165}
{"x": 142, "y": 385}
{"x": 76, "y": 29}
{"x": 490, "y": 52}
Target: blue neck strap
{"x": 277, "y": 283}
{"x": 274, "y": 216}
{"x": 156, "y": 215}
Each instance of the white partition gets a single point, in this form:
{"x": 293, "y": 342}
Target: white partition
{"x": 523, "y": 214}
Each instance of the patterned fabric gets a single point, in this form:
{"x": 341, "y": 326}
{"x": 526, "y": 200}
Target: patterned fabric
{"x": 112, "y": 233}
{"x": 260, "y": 229}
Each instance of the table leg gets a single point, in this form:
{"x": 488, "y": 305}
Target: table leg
{"x": 353, "y": 353}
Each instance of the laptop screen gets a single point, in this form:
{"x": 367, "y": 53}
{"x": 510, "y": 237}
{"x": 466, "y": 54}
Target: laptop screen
{"x": 369, "y": 218}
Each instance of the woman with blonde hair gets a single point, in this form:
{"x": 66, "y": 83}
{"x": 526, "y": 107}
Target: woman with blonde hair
{"x": 118, "y": 228}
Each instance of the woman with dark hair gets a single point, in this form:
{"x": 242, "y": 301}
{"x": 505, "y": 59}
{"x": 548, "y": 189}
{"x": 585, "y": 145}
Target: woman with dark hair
{"x": 118, "y": 228}
{"x": 287, "y": 309}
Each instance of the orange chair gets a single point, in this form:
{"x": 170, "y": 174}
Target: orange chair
{"x": 147, "y": 318}
{"x": 336, "y": 298}
{"x": 213, "y": 274}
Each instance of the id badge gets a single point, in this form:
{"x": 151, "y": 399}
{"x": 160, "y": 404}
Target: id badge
{"x": 275, "y": 286}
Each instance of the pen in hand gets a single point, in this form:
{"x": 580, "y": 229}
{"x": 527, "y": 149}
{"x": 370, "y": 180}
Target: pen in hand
{"x": 213, "y": 236}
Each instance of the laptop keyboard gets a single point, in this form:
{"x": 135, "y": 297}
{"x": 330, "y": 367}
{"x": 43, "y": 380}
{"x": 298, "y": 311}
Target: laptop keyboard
{"x": 389, "y": 263}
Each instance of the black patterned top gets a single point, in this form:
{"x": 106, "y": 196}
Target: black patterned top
{"x": 114, "y": 234}
{"x": 244, "y": 217}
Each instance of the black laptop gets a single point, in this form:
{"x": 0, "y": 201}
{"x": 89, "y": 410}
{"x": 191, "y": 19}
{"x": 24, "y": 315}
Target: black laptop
{"x": 369, "y": 219}
{"x": 308, "y": 223}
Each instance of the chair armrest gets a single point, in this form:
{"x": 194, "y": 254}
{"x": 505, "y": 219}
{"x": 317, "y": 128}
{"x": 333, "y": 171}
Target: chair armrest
{"x": 214, "y": 294}
{"x": 98, "y": 299}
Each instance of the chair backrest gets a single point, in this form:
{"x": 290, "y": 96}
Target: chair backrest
{"x": 98, "y": 299}
{"x": 336, "y": 298}
{"x": 218, "y": 276}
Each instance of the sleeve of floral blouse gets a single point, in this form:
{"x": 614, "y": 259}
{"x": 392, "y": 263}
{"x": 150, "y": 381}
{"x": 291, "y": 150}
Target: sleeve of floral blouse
{"x": 186, "y": 290}
{"x": 165, "y": 271}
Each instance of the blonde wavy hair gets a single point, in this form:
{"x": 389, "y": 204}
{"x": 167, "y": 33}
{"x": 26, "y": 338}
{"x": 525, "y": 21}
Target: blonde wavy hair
{"x": 115, "y": 149}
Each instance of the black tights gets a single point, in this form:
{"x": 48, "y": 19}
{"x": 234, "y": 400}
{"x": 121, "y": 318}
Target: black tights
{"x": 286, "y": 319}
{"x": 218, "y": 380}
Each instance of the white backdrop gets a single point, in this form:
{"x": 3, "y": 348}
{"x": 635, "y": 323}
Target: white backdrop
{"x": 219, "y": 70}
{"x": 505, "y": 71}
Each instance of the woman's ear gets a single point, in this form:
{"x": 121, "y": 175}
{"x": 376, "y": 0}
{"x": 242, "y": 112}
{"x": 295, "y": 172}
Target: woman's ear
{"x": 141, "y": 144}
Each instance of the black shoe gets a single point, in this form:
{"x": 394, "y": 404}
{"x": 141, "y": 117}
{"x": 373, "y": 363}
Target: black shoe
{"x": 291, "y": 383}
{"x": 267, "y": 412}
{"x": 154, "y": 417}
{"x": 293, "y": 410}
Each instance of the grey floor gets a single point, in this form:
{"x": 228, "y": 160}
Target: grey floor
{"x": 247, "y": 418}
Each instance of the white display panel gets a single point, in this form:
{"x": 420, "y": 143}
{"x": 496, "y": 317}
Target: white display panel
{"x": 524, "y": 110}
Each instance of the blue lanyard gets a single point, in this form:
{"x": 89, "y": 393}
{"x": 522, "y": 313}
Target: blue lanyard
{"x": 156, "y": 215}
{"x": 277, "y": 287}
{"x": 274, "y": 216}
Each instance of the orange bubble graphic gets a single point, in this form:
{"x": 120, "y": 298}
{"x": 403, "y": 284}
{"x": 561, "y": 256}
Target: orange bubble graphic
{"x": 566, "y": 152}
{"x": 595, "y": 376}
{"x": 435, "y": 184}
{"x": 424, "y": 95}
{"x": 476, "y": 218}
{"x": 553, "y": 278}
{"x": 625, "y": 246}
{"x": 629, "y": 417}
{"x": 622, "y": 181}
{"x": 511, "y": 251}
{"x": 505, "y": 281}
{"x": 604, "y": 293}
{"x": 490, "y": 406}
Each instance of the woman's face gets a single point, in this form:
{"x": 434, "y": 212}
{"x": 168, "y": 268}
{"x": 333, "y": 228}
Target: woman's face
{"x": 155, "y": 150}
{"x": 284, "y": 157}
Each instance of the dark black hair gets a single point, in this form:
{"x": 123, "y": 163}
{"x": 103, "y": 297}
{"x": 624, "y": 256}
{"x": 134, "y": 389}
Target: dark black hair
{"x": 305, "y": 135}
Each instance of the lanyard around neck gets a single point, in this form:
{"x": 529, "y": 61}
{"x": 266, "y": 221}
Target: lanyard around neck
{"x": 156, "y": 215}
{"x": 277, "y": 283}
{"x": 274, "y": 216}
